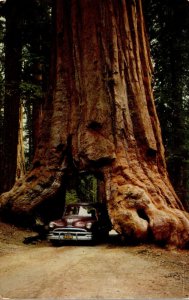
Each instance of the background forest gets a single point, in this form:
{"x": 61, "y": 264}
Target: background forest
{"x": 25, "y": 46}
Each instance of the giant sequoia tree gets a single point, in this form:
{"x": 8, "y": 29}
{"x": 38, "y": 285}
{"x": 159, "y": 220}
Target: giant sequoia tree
{"x": 100, "y": 117}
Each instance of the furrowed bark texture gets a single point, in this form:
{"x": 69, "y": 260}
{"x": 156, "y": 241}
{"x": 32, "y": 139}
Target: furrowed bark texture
{"x": 102, "y": 118}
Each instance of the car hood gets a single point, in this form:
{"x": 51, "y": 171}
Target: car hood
{"x": 71, "y": 220}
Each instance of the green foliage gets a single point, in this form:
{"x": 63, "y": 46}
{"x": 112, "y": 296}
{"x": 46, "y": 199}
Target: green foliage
{"x": 35, "y": 63}
{"x": 71, "y": 196}
{"x": 168, "y": 26}
{"x": 87, "y": 188}
{"x": 82, "y": 188}
{"x": 30, "y": 92}
{"x": 34, "y": 23}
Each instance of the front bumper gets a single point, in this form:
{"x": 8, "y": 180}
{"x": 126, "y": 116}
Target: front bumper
{"x": 66, "y": 234}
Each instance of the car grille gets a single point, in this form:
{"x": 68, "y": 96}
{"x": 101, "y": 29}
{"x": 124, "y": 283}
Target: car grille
{"x": 69, "y": 233}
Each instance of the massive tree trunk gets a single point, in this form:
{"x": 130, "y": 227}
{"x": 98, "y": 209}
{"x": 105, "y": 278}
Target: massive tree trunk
{"x": 101, "y": 118}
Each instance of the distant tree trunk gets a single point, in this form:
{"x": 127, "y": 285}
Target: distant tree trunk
{"x": 37, "y": 106}
{"x": 13, "y": 49}
{"x": 101, "y": 118}
{"x": 21, "y": 169}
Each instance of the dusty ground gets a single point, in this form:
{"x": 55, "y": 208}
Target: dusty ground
{"x": 110, "y": 271}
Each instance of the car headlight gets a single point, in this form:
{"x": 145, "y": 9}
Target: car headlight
{"x": 89, "y": 225}
{"x": 51, "y": 225}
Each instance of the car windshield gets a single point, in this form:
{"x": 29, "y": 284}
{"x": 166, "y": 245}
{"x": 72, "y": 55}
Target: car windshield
{"x": 83, "y": 211}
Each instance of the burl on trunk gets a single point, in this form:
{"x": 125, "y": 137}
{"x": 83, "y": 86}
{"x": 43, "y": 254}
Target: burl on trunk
{"x": 101, "y": 118}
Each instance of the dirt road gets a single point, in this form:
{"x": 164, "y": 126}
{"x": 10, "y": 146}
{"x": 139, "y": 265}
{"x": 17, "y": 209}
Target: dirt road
{"x": 107, "y": 271}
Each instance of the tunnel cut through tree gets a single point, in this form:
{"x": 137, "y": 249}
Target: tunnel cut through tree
{"x": 100, "y": 117}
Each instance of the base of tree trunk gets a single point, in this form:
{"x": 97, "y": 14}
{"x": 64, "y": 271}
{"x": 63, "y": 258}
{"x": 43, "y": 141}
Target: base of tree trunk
{"x": 140, "y": 210}
{"x": 146, "y": 210}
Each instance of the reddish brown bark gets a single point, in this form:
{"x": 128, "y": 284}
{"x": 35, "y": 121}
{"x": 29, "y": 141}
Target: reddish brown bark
{"x": 102, "y": 118}
{"x": 21, "y": 169}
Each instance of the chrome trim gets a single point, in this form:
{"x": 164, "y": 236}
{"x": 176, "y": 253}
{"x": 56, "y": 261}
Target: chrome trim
{"x": 76, "y": 233}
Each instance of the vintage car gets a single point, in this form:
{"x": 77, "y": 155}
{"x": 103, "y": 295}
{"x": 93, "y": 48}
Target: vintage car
{"x": 81, "y": 222}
